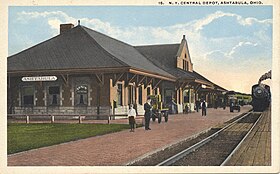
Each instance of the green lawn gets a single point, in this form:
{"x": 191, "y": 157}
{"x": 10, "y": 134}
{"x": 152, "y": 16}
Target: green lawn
{"x": 22, "y": 137}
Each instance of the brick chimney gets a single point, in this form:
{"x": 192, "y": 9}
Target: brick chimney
{"x": 65, "y": 27}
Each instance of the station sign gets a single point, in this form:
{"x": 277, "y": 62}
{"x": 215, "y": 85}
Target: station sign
{"x": 39, "y": 78}
{"x": 82, "y": 89}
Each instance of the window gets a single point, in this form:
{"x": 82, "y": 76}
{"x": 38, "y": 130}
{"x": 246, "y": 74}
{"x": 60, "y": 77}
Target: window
{"x": 140, "y": 101}
{"x": 131, "y": 94}
{"x": 28, "y": 96}
{"x": 119, "y": 93}
{"x": 54, "y": 95}
{"x": 148, "y": 91}
{"x": 186, "y": 96}
{"x": 168, "y": 93}
{"x": 81, "y": 97}
{"x": 185, "y": 65}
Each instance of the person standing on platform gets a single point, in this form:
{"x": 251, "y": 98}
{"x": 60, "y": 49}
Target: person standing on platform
{"x": 147, "y": 108}
{"x": 131, "y": 117}
{"x": 203, "y": 108}
{"x": 187, "y": 108}
{"x": 197, "y": 103}
{"x": 174, "y": 106}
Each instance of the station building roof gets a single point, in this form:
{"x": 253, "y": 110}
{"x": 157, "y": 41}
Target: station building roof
{"x": 82, "y": 48}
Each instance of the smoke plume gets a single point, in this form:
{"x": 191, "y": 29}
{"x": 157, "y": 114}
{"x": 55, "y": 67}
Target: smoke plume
{"x": 265, "y": 76}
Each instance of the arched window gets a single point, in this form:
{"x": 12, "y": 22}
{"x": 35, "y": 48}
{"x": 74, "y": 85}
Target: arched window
{"x": 81, "y": 95}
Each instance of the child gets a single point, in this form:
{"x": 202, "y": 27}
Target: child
{"x": 131, "y": 117}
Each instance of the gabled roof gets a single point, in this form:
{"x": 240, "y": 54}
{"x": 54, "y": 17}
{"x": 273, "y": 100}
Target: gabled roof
{"x": 164, "y": 56}
{"x": 161, "y": 55}
{"x": 183, "y": 44}
{"x": 81, "y": 48}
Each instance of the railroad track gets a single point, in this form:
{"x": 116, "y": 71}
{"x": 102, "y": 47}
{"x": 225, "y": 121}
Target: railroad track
{"x": 218, "y": 148}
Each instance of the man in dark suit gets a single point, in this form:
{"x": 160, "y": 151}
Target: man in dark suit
{"x": 147, "y": 108}
{"x": 203, "y": 108}
{"x": 197, "y": 103}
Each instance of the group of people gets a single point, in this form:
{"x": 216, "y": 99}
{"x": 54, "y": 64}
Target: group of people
{"x": 148, "y": 111}
{"x": 202, "y": 105}
{"x": 132, "y": 115}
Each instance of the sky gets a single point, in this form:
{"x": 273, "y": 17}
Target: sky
{"x": 229, "y": 45}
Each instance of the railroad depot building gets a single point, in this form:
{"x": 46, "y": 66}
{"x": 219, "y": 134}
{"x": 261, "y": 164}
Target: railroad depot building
{"x": 82, "y": 71}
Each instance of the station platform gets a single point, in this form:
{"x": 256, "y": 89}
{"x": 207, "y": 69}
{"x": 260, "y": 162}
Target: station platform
{"x": 120, "y": 148}
{"x": 256, "y": 149}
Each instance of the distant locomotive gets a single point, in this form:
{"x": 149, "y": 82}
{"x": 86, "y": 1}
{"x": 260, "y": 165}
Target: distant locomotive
{"x": 261, "y": 97}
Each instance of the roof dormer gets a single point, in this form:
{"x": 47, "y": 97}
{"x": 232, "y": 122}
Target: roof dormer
{"x": 183, "y": 56}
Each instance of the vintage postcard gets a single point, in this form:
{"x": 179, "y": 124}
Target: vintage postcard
{"x": 165, "y": 86}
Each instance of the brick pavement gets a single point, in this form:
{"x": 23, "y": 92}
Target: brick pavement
{"x": 122, "y": 147}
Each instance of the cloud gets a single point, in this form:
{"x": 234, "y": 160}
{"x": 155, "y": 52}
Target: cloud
{"x": 168, "y": 34}
{"x": 251, "y": 21}
{"x": 240, "y": 45}
{"x": 54, "y": 24}
{"x": 216, "y": 54}
{"x": 240, "y": 53}
{"x": 199, "y": 24}
{"x": 25, "y": 16}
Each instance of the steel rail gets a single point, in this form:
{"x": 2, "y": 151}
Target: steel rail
{"x": 185, "y": 152}
{"x": 243, "y": 139}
